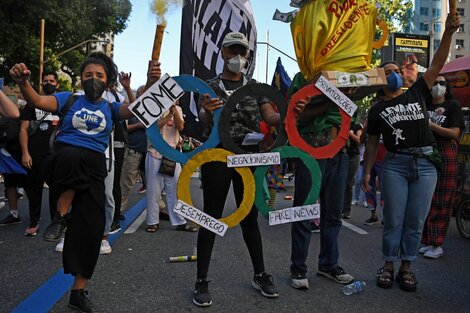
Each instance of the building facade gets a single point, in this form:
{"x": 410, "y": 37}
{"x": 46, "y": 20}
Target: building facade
{"x": 429, "y": 19}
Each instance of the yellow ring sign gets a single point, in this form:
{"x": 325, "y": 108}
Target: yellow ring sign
{"x": 220, "y": 155}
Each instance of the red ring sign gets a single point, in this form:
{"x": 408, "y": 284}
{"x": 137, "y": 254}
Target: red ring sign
{"x": 293, "y": 134}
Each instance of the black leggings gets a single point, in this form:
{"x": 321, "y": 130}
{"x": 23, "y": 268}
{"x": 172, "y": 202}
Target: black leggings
{"x": 216, "y": 179}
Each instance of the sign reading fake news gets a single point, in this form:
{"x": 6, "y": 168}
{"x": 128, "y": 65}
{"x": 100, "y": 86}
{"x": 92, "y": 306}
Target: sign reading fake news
{"x": 295, "y": 214}
{"x": 255, "y": 159}
{"x": 156, "y": 100}
{"x": 200, "y": 218}
{"x": 336, "y": 95}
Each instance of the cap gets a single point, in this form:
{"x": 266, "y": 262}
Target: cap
{"x": 235, "y": 38}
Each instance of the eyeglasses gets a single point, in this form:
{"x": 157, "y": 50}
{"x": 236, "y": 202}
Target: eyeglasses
{"x": 442, "y": 83}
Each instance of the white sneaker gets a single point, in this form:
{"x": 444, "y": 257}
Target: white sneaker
{"x": 354, "y": 202}
{"x": 60, "y": 245}
{"x": 2, "y": 204}
{"x": 105, "y": 247}
{"x": 434, "y": 253}
{"x": 365, "y": 204}
{"x": 424, "y": 249}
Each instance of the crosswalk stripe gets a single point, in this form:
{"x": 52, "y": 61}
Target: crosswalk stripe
{"x": 136, "y": 224}
{"x": 354, "y": 228}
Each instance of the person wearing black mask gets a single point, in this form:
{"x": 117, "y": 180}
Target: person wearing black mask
{"x": 77, "y": 168}
{"x": 35, "y": 131}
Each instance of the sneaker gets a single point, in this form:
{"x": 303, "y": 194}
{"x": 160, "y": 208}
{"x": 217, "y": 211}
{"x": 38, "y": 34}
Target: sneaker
{"x": 425, "y": 249}
{"x": 20, "y": 193}
{"x": 434, "y": 253}
{"x": 115, "y": 227}
{"x": 10, "y": 220}
{"x": 79, "y": 301}
{"x": 60, "y": 246}
{"x": 142, "y": 190}
{"x": 354, "y": 202}
{"x": 346, "y": 216}
{"x": 314, "y": 228}
{"x": 337, "y": 274}
{"x": 2, "y": 204}
{"x": 55, "y": 230}
{"x": 264, "y": 282}
{"x": 364, "y": 204}
{"x": 299, "y": 281}
{"x": 105, "y": 247}
{"x": 32, "y": 230}
{"x": 202, "y": 296}
{"x": 372, "y": 221}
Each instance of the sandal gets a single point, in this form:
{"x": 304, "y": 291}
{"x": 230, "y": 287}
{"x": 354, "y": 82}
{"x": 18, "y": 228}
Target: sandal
{"x": 186, "y": 227}
{"x": 407, "y": 280}
{"x": 152, "y": 228}
{"x": 385, "y": 278}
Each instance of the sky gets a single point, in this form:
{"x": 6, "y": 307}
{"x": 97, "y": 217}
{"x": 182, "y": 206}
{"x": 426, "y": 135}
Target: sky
{"x": 133, "y": 47}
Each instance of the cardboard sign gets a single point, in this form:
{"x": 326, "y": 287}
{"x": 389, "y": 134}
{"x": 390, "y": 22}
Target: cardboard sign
{"x": 200, "y": 218}
{"x": 336, "y": 95}
{"x": 156, "y": 100}
{"x": 254, "y": 159}
{"x": 295, "y": 214}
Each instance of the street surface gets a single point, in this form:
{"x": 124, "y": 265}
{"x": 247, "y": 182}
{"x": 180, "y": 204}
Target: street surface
{"x": 137, "y": 277}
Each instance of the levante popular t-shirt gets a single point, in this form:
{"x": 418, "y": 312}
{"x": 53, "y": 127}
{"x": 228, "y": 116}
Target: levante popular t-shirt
{"x": 86, "y": 124}
{"x": 403, "y": 121}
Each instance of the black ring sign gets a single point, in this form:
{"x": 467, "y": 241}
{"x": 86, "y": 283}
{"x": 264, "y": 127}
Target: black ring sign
{"x": 252, "y": 90}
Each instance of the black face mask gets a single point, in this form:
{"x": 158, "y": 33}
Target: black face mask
{"x": 93, "y": 88}
{"x": 48, "y": 88}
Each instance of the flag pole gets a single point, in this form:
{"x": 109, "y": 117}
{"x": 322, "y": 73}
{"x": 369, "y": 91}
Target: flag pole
{"x": 267, "y": 54}
{"x": 41, "y": 55}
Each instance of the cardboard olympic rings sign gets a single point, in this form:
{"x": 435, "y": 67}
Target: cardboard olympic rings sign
{"x": 293, "y": 134}
{"x": 187, "y": 83}
{"x": 251, "y": 90}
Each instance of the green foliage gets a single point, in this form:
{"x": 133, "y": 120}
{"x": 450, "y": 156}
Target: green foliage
{"x": 397, "y": 14}
{"x": 68, "y": 23}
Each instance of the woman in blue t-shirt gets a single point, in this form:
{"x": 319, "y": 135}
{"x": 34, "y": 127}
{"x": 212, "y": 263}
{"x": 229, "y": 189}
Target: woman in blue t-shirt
{"x": 408, "y": 176}
{"x": 77, "y": 169}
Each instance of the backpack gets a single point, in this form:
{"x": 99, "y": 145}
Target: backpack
{"x": 9, "y": 131}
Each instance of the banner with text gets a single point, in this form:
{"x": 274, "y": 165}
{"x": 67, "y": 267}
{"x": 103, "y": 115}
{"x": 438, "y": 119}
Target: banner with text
{"x": 151, "y": 105}
{"x": 204, "y": 25}
{"x": 199, "y": 217}
{"x": 294, "y": 214}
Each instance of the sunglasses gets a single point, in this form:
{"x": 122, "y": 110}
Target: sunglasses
{"x": 442, "y": 83}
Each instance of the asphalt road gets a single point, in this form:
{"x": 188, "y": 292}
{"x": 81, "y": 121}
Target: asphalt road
{"x": 137, "y": 277}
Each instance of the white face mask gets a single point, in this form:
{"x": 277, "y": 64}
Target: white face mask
{"x": 236, "y": 64}
{"x": 438, "y": 91}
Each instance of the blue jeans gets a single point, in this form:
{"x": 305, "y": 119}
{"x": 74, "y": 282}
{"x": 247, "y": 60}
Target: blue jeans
{"x": 334, "y": 174}
{"x": 407, "y": 192}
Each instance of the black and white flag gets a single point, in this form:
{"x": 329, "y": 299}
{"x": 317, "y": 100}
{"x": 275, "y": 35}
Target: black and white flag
{"x": 204, "y": 25}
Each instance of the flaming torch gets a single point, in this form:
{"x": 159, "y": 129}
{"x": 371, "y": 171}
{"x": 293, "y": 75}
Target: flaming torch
{"x": 452, "y": 7}
{"x": 157, "y": 41}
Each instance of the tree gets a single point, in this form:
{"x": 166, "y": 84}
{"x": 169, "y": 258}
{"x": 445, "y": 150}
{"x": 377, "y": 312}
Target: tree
{"x": 68, "y": 23}
{"x": 397, "y": 14}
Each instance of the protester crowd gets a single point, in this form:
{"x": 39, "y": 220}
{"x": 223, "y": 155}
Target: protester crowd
{"x": 90, "y": 150}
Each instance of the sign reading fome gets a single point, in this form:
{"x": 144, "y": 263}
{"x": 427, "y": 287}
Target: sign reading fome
{"x": 255, "y": 159}
{"x": 151, "y": 105}
{"x": 336, "y": 95}
{"x": 200, "y": 218}
{"x": 295, "y": 214}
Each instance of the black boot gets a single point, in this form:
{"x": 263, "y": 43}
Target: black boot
{"x": 79, "y": 301}
{"x": 57, "y": 227}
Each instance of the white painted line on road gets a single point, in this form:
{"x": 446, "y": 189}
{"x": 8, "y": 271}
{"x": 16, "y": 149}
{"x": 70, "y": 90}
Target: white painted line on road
{"x": 354, "y": 228}
{"x": 134, "y": 226}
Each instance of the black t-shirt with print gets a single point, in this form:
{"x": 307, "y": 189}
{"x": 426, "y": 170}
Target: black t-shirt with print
{"x": 38, "y": 142}
{"x": 447, "y": 114}
{"x": 403, "y": 121}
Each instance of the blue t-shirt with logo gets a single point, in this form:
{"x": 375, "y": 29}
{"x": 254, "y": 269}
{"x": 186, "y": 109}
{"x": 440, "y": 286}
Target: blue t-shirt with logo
{"x": 86, "y": 124}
